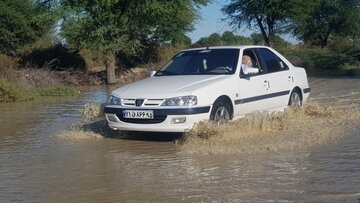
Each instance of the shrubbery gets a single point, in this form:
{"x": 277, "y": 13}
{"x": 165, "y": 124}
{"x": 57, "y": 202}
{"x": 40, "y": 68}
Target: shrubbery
{"x": 14, "y": 92}
{"x": 326, "y": 58}
{"x": 7, "y": 63}
{"x": 59, "y": 90}
{"x": 11, "y": 92}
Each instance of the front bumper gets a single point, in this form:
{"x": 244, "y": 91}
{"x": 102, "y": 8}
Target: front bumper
{"x": 162, "y": 121}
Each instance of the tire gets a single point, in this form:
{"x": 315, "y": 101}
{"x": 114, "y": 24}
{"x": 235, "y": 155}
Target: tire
{"x": 221, "y": 112}
{"x": 295, "y": 100}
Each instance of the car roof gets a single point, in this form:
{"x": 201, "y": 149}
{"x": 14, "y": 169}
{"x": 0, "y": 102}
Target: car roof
{"x": 227, "y": 47}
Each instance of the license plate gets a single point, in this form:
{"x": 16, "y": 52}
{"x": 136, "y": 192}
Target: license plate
{"x": 138, "y": 114}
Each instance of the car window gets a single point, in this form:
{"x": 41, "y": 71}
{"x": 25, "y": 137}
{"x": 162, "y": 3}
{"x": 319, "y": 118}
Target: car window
{"x": 283, "y": 65}
{"x": 250, "y": 63}
{"x": 253, "y": 57}
{"x": 177, "y": 65}
{"x": 271, "y": 61}
{"x": 202, "y": 62}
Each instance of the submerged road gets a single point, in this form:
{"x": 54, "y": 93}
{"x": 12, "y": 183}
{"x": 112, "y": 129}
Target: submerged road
{"x": 40, "y": 163}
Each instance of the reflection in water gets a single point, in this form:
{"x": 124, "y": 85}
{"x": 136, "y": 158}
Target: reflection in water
{"x": 46, "y": 155}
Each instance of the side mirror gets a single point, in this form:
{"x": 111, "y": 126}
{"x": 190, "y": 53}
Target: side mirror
{"x": 152, "y": 73}
{"x": 249, "y": 71}
{"x": 244, "y": 76}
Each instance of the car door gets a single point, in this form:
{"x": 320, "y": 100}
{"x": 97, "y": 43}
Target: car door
{"x": 278, "y": 76}
{"x": 252, "y": 87}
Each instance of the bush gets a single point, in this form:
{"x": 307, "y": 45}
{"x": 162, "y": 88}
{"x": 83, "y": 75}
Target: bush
{"x": 11, "y": 92}
{"x": 327, "y": 58}
{"x": 57, "y": 91}
{"x": 57, "y": 57}
{"x": 7, "y": 64}
{"x": 298, "y": 57}
{"x": 164, "y": 53}
{"x": 94, "y": 61}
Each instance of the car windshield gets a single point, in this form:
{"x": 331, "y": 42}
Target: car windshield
{"x": 202, "y": 62}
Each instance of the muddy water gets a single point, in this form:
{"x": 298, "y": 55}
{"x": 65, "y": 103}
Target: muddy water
{"x": 44, "y": 159}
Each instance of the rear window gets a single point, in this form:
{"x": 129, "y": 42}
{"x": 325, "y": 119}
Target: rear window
{"x": 270, "y": 59}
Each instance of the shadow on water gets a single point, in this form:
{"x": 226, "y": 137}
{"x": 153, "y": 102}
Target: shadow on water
{"x": 101, "y": 128}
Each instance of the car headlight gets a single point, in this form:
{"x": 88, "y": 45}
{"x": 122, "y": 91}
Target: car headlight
{"x": 180, "y": 101}
{"x": 114, "y": 100}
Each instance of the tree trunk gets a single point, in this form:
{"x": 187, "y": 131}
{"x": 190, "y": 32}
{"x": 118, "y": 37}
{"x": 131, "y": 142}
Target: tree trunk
{"x": 324, "y": 41}
{"x": 263, "y": 32}
{"x": 268, "y": 42}
{"x": 110, "y": 70}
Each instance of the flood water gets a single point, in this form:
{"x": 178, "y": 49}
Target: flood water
{"x": 41, "y": 160}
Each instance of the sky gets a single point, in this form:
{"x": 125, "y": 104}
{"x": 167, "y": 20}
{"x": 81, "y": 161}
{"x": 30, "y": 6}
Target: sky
{"x": 211, "y": 21}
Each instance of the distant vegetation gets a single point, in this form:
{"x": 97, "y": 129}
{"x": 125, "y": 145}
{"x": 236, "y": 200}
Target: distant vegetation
{"x": 14, "y": 92}
{"x": 85, "y": 42}
{"x": 315, "y": 22}
{"x": 229, "y": 38}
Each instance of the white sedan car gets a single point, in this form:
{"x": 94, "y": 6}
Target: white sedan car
{"x": 213, "y": 83}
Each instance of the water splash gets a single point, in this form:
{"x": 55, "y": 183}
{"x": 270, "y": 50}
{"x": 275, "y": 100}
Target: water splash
{"x": 92, "y": 111}
{"x": 78, "y": 134}
{"x": 311, "y": 125}
{"x": 91, "y": 126}
{"x": 260, "y": 132}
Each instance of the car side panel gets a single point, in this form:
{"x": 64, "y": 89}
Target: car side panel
{"x": 253, "y": 93}
{"x": 300, "y": 80}
{"x": 280, "y": 85}
{"x": 209, "y": 93}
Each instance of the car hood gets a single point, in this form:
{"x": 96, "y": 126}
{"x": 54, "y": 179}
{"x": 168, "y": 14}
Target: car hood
{"x": 167, "y": 86}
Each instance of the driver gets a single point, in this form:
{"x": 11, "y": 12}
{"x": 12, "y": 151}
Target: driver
{"x": 247, "y": 65}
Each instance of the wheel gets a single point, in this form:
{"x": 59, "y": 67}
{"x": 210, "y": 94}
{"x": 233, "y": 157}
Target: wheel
{"x": 295, "y": 99}
{"x": 220, "y": 112}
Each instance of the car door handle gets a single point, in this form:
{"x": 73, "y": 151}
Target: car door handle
{"x": 290, "y": 78}
{"x": 266, "y": 84}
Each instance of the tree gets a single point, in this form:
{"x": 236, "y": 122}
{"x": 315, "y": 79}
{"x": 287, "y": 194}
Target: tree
{"x": 257, "y": 38}
{"x": 337, "y": 18}
{"x": 111, "y": 26}
{"x": 227, "y": 38}
{"x": 277, "y": 41}
{"x": 214, "y": 39}
{"x": 182, "y": 41}
{"x": 271, "y": 17}
{"x": 22, "y": 22}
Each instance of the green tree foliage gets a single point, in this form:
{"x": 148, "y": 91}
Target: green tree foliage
{"x": 182, "y": 41}
{"x": 227, "y": 38}
{"x": 276, "y": 41}
{"x": 212, "y": 40}
{"x": 326, "y": 19}
{"x": 111, "y": 26}
{"x": 257, "y": 38}
{"x": 22, "y": 22}
{"x": 270, "y": 17}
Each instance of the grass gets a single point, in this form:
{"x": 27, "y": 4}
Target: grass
{"x": 12, "y": 92}
{"x": 59, "y": 90}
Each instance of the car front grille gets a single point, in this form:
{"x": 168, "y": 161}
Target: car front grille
{"x": 146, "y": 103}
